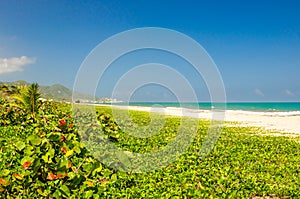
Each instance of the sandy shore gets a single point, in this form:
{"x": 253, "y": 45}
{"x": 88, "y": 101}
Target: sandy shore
{"x": 285, "y": 122}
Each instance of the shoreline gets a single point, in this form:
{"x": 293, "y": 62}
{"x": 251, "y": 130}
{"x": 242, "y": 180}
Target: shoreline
{"x": 279, "y": 122}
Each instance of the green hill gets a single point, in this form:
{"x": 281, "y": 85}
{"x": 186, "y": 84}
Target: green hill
{"x": 56, "y": 92}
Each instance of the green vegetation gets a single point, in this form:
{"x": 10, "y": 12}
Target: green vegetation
{"x": 27, "y": 98}
{"x": 43, "y": 157}
{"x": 56, "y": 92}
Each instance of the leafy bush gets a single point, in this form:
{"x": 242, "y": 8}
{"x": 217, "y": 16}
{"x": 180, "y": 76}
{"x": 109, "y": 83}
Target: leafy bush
{"x": 44, "y": 158}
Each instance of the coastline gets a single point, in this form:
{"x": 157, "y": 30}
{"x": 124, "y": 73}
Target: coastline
{"x": 281, "y": 123}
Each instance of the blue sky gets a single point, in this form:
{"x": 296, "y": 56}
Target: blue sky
{"x": 255, "y": 44}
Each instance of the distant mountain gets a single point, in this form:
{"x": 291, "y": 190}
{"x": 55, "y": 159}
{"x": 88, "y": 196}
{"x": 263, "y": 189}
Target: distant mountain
{"x": 17, "y": 83}
{"x": 56, "y": 92}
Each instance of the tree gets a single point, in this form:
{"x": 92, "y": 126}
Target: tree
{"x": 28, "y": 98}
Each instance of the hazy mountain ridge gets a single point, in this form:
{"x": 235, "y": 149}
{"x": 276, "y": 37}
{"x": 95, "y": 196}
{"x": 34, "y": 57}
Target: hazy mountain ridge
{"x": 56, "y": 92}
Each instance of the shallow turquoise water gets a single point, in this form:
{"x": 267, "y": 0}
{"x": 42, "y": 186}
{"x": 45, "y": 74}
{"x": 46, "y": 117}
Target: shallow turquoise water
{"x": 244, "y": 106}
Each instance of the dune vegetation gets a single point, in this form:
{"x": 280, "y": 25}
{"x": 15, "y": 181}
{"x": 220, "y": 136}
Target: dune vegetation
{"x": 43, "y": 154}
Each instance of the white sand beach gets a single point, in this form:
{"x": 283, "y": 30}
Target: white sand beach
{"x": 288, "y": 123}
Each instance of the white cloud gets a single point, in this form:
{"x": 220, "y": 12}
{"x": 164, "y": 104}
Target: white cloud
{"x": 14, "y": 64}
{"x": 259, "y": 92}
{"x": 289, "y": 93}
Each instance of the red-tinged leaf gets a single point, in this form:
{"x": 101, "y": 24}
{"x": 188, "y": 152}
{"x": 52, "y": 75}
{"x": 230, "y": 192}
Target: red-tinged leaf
{"x": 26, "y": 165}
{"x": 61, "y": 175}
{"x": 64, "y": 150}
{"x": 74, "y": 169}
{"x": 103, "y": 180}
{"x": 2, "y": 181}
{"x": 62, "y": 139}
{"x": 62, "y": 122}
{"x": 51, "y": 176}
{"x": 70, "y": 126}
{"x": 18, "y": 176}
{"x": 69, "y": 164}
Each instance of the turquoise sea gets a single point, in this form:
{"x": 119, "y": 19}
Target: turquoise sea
{"x": 242, "y": 106}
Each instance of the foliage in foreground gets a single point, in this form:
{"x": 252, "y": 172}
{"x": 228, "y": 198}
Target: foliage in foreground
{"x": 45, "y": 158}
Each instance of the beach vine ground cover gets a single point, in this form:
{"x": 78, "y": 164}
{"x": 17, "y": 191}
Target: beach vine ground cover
{"x": 44, "y": 158}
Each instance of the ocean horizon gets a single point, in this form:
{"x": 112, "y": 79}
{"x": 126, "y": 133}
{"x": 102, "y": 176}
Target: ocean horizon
{"x": 234, "y": 106}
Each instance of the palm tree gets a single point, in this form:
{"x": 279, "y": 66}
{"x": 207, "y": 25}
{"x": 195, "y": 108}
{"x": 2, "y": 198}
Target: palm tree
{"x": 28, "y": 98}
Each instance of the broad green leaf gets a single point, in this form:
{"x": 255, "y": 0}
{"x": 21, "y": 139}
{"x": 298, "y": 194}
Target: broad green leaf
{"x": 77, "y": 149}
{"x": 57, "y": 194}
{"x": 49, "y": 155}
{"x": 29, "y": 150}
{"x": 71, "y": 175}
{"x": 34, "y": 139}
{"x": 88, "y": 194}
{"x": 69, "y": 153}
{"x": 88, "y": 167}
{"x": 54, "y": 136}
{"x": 36, "y": 165}
{"x": 96, "y": 196}
{"x": 97, "y": 170}
{"x": 65, "y": 190}
{"x": 20, "y": 145}
{"x": 5, "y": 172}
{"x": 106, "y": 172}
{"x": 64, "y": 162}
{"x": 114, "y": 177}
